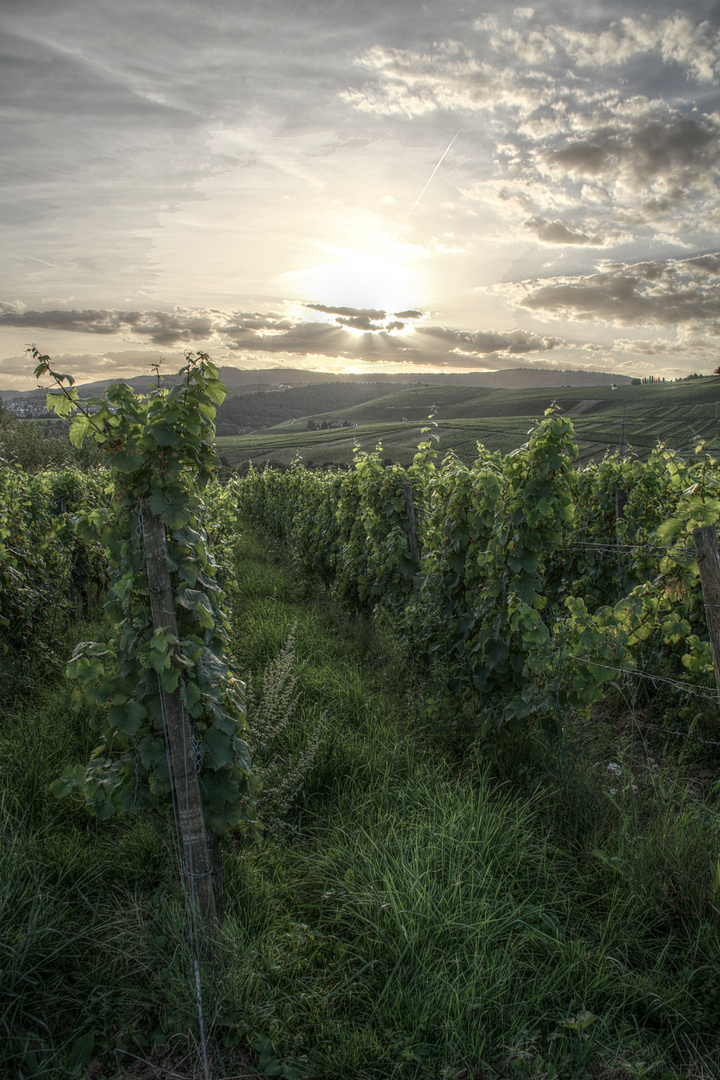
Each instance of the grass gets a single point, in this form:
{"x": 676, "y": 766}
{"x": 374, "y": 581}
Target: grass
{"x": 80, "y": 905}
{"x": 425, "y": 914}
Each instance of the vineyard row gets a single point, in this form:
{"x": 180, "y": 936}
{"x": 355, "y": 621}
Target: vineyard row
{"x": 520, "y": 582}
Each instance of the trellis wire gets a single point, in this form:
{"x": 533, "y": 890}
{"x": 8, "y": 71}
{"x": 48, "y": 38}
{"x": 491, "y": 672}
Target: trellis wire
{"x": 185, "y": 871}
{"x": 689, "y": 688}
{"x": 189, "y": 902}
{"x": 626, "y": 549}
{"x": 681, "y": 734}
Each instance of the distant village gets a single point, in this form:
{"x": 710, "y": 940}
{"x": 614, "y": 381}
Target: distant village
{"x": 28, "y": 410}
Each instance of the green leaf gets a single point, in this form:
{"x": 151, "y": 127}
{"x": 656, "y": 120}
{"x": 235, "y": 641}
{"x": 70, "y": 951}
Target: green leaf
{"x": 100, "y": 804}
{"x": 60, "y": 404}
{"x": 173, "y": 509}
{"x": 497, "y": 654}
{"x": 170, "y": 679}
{"x": 127, "y": 462}
{"x": 216, "y": 391}
{"x": 211, "y": 669}
{"x": 219, "y": 750}
{"x": 165, "y": 435}
{"x": 127, "y": 717}
{"x": 81, "y": 1052}
{"x": 72, "y": 777}
{"x": 79, "y": 428}
{"x": 152, "y": 751}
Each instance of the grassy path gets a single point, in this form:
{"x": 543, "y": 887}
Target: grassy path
{"x": 416, "y": 917}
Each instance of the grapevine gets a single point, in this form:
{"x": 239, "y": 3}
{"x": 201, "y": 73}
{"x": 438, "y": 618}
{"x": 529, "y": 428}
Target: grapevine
{"x": 537, "y": 581}
{"x": 160, "y": 456}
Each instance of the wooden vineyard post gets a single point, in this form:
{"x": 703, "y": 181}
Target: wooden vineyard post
{"x": 706, "y": 547}
{"x": 410, "y": 507}
{"x": 198, "y": 865}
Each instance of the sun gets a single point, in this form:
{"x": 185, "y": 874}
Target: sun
{"x": 359, "y": 280}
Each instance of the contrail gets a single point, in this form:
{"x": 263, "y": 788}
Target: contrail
{"x": 423, "y": 190}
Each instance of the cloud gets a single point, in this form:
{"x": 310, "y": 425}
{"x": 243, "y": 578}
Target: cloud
{"x": 255, "y": 336}
{"x": 661, "y": 150}
{"x": 557, "y": 232}
{"x": 359, "y": 322}
{"x": 529, "y": 47}
{"x": 368, "y": 319}
{"x": 483, "y": 342}
{"x": 561, "y": 137}
{"x": 401, "y": 82}
{"x": 675, "y": 40}
{"x": 370, "y": 313}
{"x": 252, "y": 322}
{"x": 653, "y": 293}
{"x": 612, "y": 171}
{"x": 161, "y": 327}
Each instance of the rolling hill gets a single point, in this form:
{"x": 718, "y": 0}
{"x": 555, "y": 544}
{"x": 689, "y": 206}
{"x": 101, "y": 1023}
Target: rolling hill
{"x": 633, "y": 416}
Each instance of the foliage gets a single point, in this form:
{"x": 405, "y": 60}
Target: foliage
{"x": 30, "y": 446}
{"x": 159, "y": 453}
{"x": 432, "y": 920}
{"x": 46, "y": 571}
{"x": 537, "y": 581}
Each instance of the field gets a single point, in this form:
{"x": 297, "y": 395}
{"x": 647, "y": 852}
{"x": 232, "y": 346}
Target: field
{"x": 469, "y": 825}
{"x": 677, "y": 413}
{"x": 423, "y": 915}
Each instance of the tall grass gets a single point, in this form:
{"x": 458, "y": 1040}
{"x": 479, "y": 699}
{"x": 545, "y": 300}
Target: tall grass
{"x": 88, "y": 912}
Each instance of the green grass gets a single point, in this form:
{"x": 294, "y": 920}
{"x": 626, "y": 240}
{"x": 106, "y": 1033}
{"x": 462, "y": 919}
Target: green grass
{"x": 83, "y": 908}
{"x": 425, "y": 914}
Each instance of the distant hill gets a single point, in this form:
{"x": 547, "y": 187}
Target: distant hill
{"x": 608, "y": 416}
{"x": 258, "y": 380}
{"x": 243, "y": 413}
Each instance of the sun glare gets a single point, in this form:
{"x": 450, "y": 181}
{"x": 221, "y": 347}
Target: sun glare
{"x": 362, "y": 281}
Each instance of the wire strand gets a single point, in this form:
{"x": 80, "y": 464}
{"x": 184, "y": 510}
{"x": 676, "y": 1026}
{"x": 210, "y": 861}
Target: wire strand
{"x": 689, "y": 688}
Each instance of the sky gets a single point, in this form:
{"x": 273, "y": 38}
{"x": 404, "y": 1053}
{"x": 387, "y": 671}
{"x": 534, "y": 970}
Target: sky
{"x": 359, "y": 185}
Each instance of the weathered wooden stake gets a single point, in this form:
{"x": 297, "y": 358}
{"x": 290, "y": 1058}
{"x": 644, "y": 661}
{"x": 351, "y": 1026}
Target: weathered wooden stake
{"x": 706, "y": 547}
{"x": 620, "y": 500}
{"x": 410, "y": 507}
{"x": 198, "y": 863}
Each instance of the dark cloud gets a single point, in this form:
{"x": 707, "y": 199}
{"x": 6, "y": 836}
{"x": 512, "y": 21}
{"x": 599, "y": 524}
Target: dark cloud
{"x": 258, "y": 338}
{"x": 492, "y": 341}
{"x": 675, "y": 150}
{"x": 161, "y": 327}
{"x": 431, "y": 345}
{"x": 371, "y": 320}
{"x": 253, "y": 322}
{"x": 302, "y": 338}
{"x": 370, "y": 313}
{"x": 557, "y": 232}
{"x": 669, "y": 293}
{"x": 359, "y": 322}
